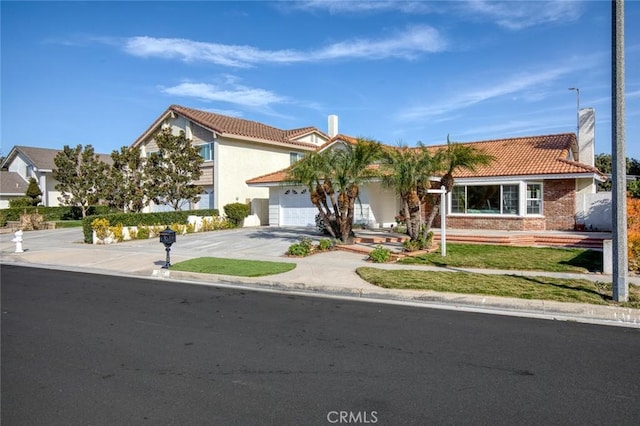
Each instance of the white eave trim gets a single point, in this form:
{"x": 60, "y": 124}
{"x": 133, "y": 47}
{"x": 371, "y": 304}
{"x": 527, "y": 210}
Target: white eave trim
{"x": 474, "y": 180}
{"x": 289, "y": 145}
{"x": 274, "y": 184}
{"x": 587, "y": 175}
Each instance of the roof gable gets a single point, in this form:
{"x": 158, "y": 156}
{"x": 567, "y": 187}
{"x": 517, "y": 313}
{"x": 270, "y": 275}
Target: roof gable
{"x": 42, "y": 159}
{"x": 12, "y": 183}
{"x": 236, "y": 127}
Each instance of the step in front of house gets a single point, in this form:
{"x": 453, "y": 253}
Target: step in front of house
{"x": 527, "y": 240}
{"x": 379, "y": 240}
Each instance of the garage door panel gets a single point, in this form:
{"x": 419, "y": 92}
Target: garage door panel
{"x": 296, "y": 208}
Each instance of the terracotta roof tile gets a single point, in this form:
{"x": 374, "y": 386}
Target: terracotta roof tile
{"x": 532, "y": 155}
{"x": 234, "y": 126}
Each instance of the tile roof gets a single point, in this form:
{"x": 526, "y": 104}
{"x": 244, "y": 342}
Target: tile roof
{"x": 43, "y": 158}
{"x": 12, "y": 183}
{"x": 523, "y": 156}
{"x": 233, "y": 126}
{"x": 531, "y": 155}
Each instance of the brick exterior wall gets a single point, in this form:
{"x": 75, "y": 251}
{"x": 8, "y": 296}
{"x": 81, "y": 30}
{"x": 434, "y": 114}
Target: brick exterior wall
{"x": 559, "y": 200}
{"x": 559, "y": 204}
{"x": 495, "y": 223}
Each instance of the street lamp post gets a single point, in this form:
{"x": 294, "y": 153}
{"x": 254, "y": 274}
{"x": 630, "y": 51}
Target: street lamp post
{"x": 577, "y": 112}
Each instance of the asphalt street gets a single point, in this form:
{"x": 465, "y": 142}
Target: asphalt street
{"x": 100, "y": 350}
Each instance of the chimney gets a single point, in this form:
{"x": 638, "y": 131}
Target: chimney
{"x": 586, "y": 136}
{"x": 333, "y": 125}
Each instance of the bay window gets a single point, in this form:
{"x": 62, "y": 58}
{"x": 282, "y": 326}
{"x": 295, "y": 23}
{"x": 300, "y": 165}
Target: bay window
{"x": 514, "y": 199}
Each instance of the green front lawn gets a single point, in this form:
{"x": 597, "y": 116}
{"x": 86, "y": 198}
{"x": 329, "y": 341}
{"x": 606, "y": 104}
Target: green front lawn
{"x": 515, "y": 258}
{"x": 541, "y": 288}
{"x": 236, "y": 267}
{"x": 68, "y": 223}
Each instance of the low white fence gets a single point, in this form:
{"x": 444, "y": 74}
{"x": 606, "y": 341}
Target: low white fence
{"x": 594, "y": 211}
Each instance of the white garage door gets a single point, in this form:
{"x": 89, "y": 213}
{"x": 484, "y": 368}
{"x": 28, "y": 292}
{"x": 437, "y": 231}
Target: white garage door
{"x": 296, "y": 208}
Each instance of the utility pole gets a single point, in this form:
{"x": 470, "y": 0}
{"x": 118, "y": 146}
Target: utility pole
{"x": 618, "y": 158}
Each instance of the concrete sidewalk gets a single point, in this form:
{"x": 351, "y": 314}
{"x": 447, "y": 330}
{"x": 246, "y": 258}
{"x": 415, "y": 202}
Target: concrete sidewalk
{"x": 328, "y": 274}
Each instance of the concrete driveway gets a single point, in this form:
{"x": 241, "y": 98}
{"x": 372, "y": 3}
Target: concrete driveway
{"x": 65, "y": 247}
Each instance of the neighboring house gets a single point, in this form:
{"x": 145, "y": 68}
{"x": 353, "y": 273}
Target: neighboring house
{"x": 12, "y": 186}
{"x": 535, "y": 183}
{"x": 234, "y": 151}
{"x": 24, "y": 162}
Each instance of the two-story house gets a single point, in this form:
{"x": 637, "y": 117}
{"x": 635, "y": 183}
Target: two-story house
{"x": 234, "y": 150}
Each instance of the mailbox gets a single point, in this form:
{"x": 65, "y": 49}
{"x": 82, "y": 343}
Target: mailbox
{"x": 167, "y": 237}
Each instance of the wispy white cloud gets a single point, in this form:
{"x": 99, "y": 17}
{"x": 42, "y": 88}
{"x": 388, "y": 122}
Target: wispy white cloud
{"x": 228, "y": 92}
{"x": 522, "y": 83}
{"x": 408, "y": 44}
{"x": 516, "y": 15}
{"x": 357, "y": 7}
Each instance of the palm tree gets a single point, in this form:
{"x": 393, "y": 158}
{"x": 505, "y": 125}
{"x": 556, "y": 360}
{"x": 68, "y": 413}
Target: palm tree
{"x": 340, "y": 170}
{"x": 350, "y": 168}
{"x": 455, "y": 157}
{"x": 314, "y": 172}
{"x": 408, "y": 171}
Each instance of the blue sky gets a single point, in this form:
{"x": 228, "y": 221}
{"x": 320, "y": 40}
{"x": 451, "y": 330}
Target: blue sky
{"x": 101, "y": 72}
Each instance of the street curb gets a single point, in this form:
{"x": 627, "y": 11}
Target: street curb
{"x": 564, "y": 311}
{"x": 579, "y": 312}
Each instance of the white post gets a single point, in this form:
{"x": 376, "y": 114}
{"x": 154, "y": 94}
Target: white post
{"x": 443, "y": 221}
{"x": 443, "y": 217}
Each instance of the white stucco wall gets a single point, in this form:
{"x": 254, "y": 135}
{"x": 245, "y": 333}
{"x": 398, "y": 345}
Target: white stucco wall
{"x": 384, "y": 203}
{"x": 237, "y": 161}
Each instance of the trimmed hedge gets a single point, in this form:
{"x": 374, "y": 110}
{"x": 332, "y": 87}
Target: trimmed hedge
{"x": 56, "y": 213}
{"x": 236, "y": 212}
{"x": 148, "y": 219}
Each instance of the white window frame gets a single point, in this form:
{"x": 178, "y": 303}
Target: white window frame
{"x": 523, "y": 199}
{"x": 211, "y": 152}
{"x": 294, "y": 157}
{"x": 501, "y": 214}
{"x": 527, "y": 199}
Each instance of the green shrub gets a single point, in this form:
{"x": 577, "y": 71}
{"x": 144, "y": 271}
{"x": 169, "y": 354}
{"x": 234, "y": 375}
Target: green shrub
{"x": 133, "y": 233}
{"x": 55, "y": 214}
{"x": 143, "y": 233}
{"x": 419, "y": 244}
{"x": 118, "y": 232}
{"x": 303, "y": 248}
{"x": 297, "y": 249}
{"x": 325, "y": 244}
{"x": 236, "y": 212}
{"x": 3, "y": 219}
{"x": 179, "y": 228}
{"x": 380, "y": 255}
{"x": 145, "y": 219}
{"x": 101, "y": 228}
{"x": 19, "y": 203}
